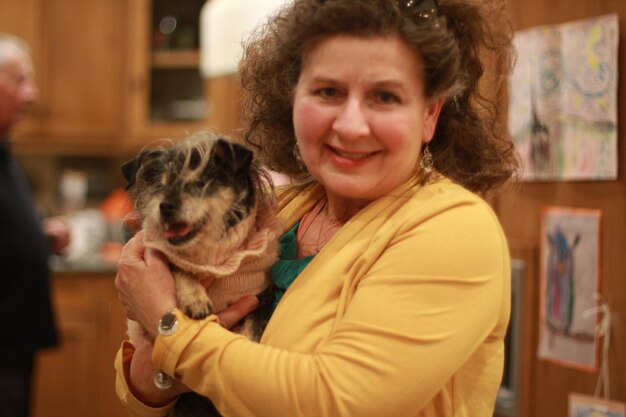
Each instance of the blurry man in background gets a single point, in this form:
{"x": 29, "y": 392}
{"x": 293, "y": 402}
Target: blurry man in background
{"x": 25, "y": 242}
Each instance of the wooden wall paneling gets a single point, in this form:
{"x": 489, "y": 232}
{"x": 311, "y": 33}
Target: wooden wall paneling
{"x": 519, "y": 211}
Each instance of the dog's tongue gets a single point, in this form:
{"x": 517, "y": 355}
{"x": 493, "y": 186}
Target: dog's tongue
{"x": 177, "y": 230}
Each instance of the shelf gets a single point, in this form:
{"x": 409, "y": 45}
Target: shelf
{"x": 176, "y": 59}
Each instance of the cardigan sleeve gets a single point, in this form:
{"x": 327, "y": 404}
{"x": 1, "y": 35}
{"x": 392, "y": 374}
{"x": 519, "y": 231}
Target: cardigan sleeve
{"x": 435, "y": 297}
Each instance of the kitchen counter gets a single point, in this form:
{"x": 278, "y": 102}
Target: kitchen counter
{"x": 95, "y": 265}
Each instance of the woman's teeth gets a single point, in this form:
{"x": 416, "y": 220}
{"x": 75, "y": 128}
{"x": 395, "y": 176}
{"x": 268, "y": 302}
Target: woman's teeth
{"x": 352, "y": 155}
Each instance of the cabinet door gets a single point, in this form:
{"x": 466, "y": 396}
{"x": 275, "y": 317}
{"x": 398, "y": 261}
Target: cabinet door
{"x": 67, "y": 376}
{"x": 82, "y": 61}
{"x": 77, "y": 378}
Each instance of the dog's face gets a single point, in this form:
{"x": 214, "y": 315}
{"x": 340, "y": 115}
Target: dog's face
{"x": 194, "y": 190}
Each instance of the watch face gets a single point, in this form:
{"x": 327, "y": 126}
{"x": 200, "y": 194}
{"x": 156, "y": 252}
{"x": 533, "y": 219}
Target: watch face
{"x": 168, "y": 320}
{"x": 162, "y": 380}
{"x": 168, "y": 324}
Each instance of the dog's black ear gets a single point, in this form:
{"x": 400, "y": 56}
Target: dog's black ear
{"x": 231, "y": 155}
{"x": 129, "y": 170}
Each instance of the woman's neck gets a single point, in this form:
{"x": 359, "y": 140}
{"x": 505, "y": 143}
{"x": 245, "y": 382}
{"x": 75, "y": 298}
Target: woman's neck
{"x": 319, "y": 225}
{"x": 340, "y": 209}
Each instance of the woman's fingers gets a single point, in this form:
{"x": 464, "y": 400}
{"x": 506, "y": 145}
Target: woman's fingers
{"x": 233, "y": 314}
{"x": 152, "y": 256}
{"x": 144, "y": 283}
{"x": 133, "y": 250}
{"x": 206, "y": 282}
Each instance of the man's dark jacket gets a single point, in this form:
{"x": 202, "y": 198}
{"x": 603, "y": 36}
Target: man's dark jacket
{"x": 26, "y": 315}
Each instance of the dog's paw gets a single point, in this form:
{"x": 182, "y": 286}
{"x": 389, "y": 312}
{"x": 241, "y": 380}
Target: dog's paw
{"x": 198, "y": 310}
{"x": 192, "y": 297}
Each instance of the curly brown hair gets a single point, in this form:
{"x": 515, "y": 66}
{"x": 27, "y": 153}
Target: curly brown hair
{"x": 470, "y": 145}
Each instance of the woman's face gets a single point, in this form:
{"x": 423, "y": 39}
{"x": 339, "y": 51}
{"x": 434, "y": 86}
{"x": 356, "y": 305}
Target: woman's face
{"x": 360, "y": 115}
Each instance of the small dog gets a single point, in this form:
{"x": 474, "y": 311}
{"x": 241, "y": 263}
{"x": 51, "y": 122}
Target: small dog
{"x": 204, "y": 203}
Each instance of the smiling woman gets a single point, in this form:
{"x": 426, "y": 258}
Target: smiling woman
{"x": 360, "y": 117}
{"x": 370, "y": 107}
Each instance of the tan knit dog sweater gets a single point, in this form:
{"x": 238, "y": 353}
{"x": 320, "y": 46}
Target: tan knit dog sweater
{"x": 240, "y": 261}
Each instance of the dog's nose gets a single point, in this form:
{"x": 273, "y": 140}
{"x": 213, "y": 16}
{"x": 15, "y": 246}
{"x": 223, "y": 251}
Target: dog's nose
{"x": 167, "y": 209}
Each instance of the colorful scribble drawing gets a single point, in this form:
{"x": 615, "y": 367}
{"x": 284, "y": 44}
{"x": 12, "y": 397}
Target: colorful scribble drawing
{"x": 563, "y": 100}
{"x": 540, "y": 145}
{"x": 570, "y": 278}
{"x": 560, "y": 281}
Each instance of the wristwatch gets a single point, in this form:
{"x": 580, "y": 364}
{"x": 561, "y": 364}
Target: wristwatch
{"x": 168, "y": 324}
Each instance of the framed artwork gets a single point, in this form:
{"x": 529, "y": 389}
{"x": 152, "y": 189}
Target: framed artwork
{"x": 586, "y": 406}
{"x": 563, "y": 100}
{"x": 570, "y": 276}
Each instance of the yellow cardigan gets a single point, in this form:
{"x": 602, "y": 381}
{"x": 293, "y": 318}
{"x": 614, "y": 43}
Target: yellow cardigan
{"x": 403, "y": 313}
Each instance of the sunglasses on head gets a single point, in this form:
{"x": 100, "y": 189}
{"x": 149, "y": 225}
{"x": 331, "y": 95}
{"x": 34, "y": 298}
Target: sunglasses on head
{"x": 422, "y": 9}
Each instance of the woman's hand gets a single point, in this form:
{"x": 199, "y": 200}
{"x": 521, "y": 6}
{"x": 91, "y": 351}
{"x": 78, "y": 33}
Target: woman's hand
{"x": 234, "y": 313}
{"x": 144, "y": 284}
{"x": 147, "y": 290}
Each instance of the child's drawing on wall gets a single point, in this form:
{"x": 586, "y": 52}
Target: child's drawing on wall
{"x": 563, "y": 100}
{"x": 569, "y": 277}
{"x": 560, "y": 280}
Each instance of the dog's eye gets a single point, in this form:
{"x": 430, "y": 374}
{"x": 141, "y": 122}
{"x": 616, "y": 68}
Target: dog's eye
{"x": 194, "y": 159}
{"x": 150, "y": 173}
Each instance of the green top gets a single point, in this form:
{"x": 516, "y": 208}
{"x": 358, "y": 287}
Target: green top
{"x": 288, "y": 266}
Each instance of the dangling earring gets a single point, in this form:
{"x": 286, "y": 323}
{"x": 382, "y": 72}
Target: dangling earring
{"x": 297, "y": 156}
{"x": 427, "y": 160}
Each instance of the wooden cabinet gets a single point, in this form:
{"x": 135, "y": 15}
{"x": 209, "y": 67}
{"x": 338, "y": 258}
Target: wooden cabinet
{"x": 166, "y": 93}
{"x": 77, "y": 378}
{"x": 114, "y": 74}
{"x": 78, "y": 50}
